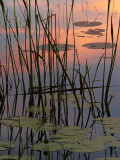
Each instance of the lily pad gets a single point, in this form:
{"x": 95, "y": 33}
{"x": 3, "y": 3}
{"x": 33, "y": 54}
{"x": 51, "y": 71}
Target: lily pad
{"x": 86, "y": 105}
{"x": 71, "y": 134}
{"x": 10, "y": 157}
{"x": 69, "y": 131}
{"x": 45, "y": 127}
{"x": 35, "y": 124}
{"x": 37, "y": 109}
{"x": 24, "y": 121}
{"x": 108, "y": 120}
{"x": 80, "y": 36}
{"x": 87, "y": 146}
{"x": 5, "y": 145}
{"x": 94, "y": 32}
{"x": 84, "y": 149}
{"x": 112, "y": 124}
{"x": 64, "y": 140}
{"x": 80, "y": 142}
{"x": 87, "y": 24}
{"x": 69, "y": 139}
{"x": 114, "y": 143}
{"x": 98, "y": 45}
{"x": 60, "y": 47}
{"x": 50, "y": 147}
{"x": 71, "y": 97}
{"x": 55, "y": 96}
{"x": 113, "y": 130}
{"x": 104, "y": 139}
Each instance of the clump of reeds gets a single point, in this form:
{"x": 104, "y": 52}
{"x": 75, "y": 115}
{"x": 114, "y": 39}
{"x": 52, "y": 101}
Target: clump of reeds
{"x": 31, "y": 59}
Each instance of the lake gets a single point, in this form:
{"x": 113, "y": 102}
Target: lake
{"x": 59, "y": 80}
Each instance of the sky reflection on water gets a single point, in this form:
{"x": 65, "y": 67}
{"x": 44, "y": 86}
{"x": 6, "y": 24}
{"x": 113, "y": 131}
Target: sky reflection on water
{"x": 91, "y": 11}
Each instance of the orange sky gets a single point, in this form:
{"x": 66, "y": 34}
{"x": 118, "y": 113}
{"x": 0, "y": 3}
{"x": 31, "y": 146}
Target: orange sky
{"x": 91, "y": 11}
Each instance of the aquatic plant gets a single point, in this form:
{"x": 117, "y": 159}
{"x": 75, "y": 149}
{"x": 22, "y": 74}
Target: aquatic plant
{"x": 46, "y": 68}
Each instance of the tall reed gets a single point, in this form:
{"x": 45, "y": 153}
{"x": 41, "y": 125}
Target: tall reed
{"x": 34, "y": 60}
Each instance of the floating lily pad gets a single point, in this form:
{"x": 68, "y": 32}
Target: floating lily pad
{"x": 104, "y": 139}
{"x": 84, "y": 149}
{"x": 87, "y": 146}
{"x": 64, "y": 140}
{"x": 87, "y": 24}
{"x": 60, "y": 47}
{"x": 50, "y": 147}
{"x": 55, "y": 96}
{"x": 69, "y": 131}
{"x": 37, "y": 109}
{"x": 114, "y": 143}
{"x": 10, "y": 157}
{"x": 24, "y": 121}
{"x": 71, "y": 97}
{"x": 5, "y": 145}
{"x": 80, "y": 36}
{"x": 7, "y": 157}
{"x": 94, "y": 32}
{"x": 98, "y": 45}
{"x": 86, "y": 105}
{"x": 76, "y": 138}
{"x": 71, "y": 134}
{"x": 57, "y": 136}
{"x": 111, "y": 126}
{"x": 80, "y": 142}
{"x": 45, "y": 127}
{"x": 113, "y": 130}
{"x": 69, "y": 139}
{"x": 35, "y": 124}
{"x": 108, "y": 120}
{"x": 91, "y": 146}
{"x": 111, "y": 123}
{"x": 109, "y": 158}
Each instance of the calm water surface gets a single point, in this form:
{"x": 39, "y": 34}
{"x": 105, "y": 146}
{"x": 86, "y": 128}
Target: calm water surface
{"x": 83, "y": 10}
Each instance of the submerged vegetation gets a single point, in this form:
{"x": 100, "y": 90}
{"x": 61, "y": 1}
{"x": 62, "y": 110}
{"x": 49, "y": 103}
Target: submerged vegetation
{"x": 62, "y": 109}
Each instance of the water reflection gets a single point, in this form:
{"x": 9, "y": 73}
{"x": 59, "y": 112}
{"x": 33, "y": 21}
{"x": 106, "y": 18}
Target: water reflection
{"x": 82, "y": 11}
{"x": 43, "y": 76}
